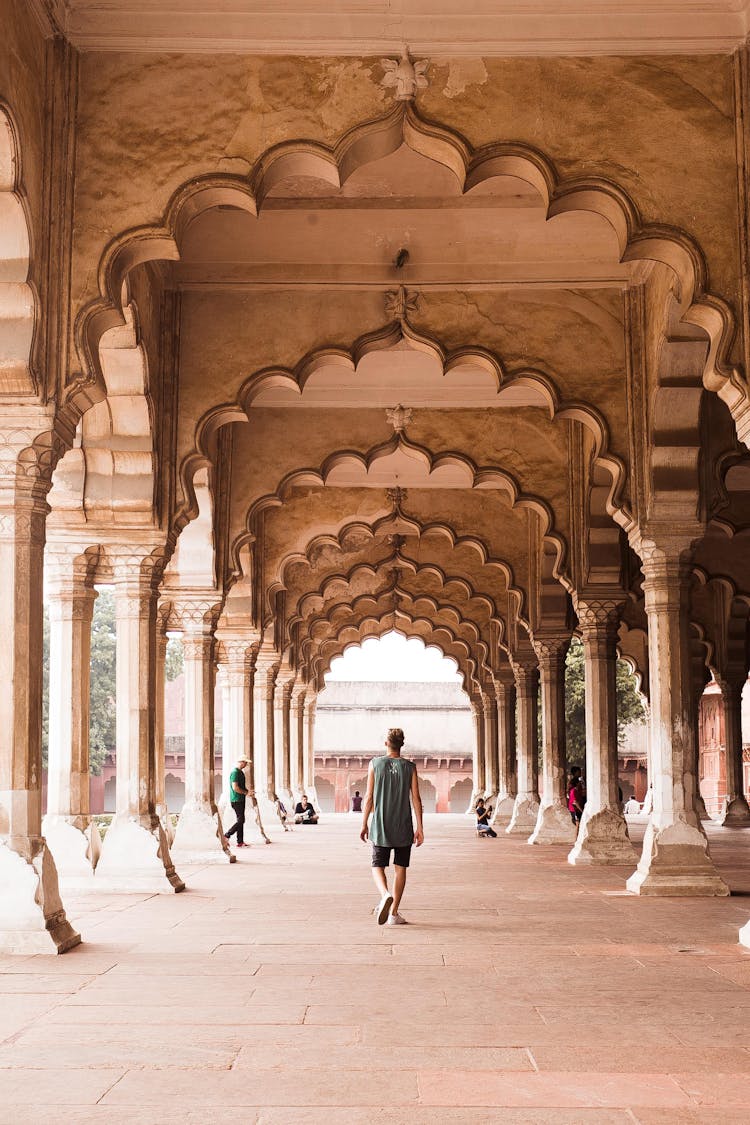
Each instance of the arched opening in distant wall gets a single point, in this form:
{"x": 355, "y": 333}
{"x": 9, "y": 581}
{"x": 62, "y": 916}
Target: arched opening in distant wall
{"x": 393, "y": 681}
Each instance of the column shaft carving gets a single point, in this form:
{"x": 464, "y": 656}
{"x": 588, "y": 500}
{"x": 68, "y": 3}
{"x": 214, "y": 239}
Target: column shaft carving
{"x": 603, "y": 833}
{"x": 554, "y": 824}
{"x": 239, "y": 673}
{"x": 479, "y": 774}
{"x": 72, "y": 835}
{"x": 526, "y": 805}
{"x": 199, "y": 837}
{"x": 135, "y": 853}
{"x": 675, "y": 857}
{"x": 735, "y": 812}
{"x": 32, "y": 918}
{"x": 505, "y": 696}
{"x": 491, "y": 763}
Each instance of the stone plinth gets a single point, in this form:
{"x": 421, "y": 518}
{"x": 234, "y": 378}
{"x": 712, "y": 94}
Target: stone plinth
{"x": 76, "y": 850}
{"x": 675, "y": 861}
{"x": 135, "y": 858}
{"x": 32, "y": 919}
{"x": 602, "y": 838}
{"x": 200, "y": 838}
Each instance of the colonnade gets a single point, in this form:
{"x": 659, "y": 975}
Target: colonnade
{"x": 269, "y": 719}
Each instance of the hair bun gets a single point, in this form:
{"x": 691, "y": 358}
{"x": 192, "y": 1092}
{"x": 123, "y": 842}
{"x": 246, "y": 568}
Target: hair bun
{"x": 395, "y": 738}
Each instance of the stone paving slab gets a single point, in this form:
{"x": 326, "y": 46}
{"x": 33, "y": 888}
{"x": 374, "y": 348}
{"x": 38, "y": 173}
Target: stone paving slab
{"x": 523, "y": 992}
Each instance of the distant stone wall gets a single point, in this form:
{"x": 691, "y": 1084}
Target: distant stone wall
{"x": 353, "y": 718}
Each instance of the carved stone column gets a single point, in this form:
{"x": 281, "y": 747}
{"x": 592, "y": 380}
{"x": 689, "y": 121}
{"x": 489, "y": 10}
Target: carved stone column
{"x": 505, "y": 697}
{"x": 264, "y": 734}
{"x": 135, "y": 853}
{"x": 603, "y": 833}
{"x": 238, "y": 673}
{"x": 554, "y": 824}
{"x": 199, "y": 837}
{"x": 282, "y": 701}
{"x": 311, "y": 705}
{"x": 735, "y": 812}
{"x": 479, "y": 778}
{"x": 68, "y": 828}
{"x": 675, "y": 858}
{"x": 160, "y": 787}
{"x": 32, "y": 918}
{"x": 297, "y": 740}
{"x": 491, "y": 764}
{"x": 526, "y": 805}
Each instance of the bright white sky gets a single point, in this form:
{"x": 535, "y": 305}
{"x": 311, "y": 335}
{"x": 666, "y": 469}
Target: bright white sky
{"x": 393, "y": 657}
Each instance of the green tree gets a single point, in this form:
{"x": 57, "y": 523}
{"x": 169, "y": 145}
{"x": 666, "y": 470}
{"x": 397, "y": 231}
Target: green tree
{"x": 629, "y": 705}
{"x": 102, "y": 698}
{"x": 174, "y": 662}
{"x": 102, "y": 713}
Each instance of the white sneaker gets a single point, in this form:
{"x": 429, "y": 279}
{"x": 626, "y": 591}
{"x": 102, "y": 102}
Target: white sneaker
{"x": 397, "y": 920}
{"x": 384, "y": 908}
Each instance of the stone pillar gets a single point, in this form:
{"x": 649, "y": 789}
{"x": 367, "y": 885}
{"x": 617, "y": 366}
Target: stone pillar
{"x": 479, "y": 781}
{"x": 526, "y": 805}
{"x": 735, "y": 812}
{"x": 297, "y": 740}
{"x": 554, "y": 824}
{"x": 264, "y": 734}
{"x": 311, "y": 705}
{"x": 135, "y": 853}
{"x": 238, "y": 674}
{"x": 32, "y": 918}
{"x": 505, "y": 697}
{"x": 491, "y": 765}
{"x": 282, "y": 700}
{"x": 603, "y": 833}
{"x": 68, "y": 828}
{"x": 199, "y": 837}
{"x": 160, "y": 790}
{"x": 675, "y": 858}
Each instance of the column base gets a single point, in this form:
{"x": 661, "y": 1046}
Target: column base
{"x": 700, "y": 808}
{"x": 135, "y": 859}
{"x": 735, "y": 814}
{"x": 475, "y": 795}
{"x": 602, "y": 838}
{"x": 269, "y": 813}
{"x": 166, "y": 822}
{"x": 554, "y": 825}
{"x": 200, "y": 838}
{"x": 675, "y": 861}
{"x": 524, "y": 817}
{"x": 75, "y": 850}
{"x": 255, "y": 833}
{"x": 501, "y": 817}
{"x": 32, "y": 917}
{"x": 745, "y": 935}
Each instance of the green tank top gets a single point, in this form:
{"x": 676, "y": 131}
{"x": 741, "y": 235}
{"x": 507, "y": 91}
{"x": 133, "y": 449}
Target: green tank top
{"x": 391, "y": 825}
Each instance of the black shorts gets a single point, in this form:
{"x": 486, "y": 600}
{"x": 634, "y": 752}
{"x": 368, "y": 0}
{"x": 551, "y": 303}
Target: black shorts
{"x": 381, "y": 856}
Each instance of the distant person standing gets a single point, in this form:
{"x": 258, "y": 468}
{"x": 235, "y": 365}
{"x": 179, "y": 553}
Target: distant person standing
{"x": 357, "y": 802}
{"x": 392, "y": 789}
{"x": 238, "y": 791}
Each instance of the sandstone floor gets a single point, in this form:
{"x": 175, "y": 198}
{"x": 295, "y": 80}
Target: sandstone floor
{"x": 522, "y": 991}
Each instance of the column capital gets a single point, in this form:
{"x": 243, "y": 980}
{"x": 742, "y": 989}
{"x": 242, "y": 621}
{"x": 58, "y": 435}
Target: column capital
{"x": 550, "y": 648}
{"x": 599, "y": 614}
{"x": 525, "y": 672}
{"x": 197, "y": 612}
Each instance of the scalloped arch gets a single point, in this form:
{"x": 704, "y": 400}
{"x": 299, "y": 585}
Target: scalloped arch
{"x": 18, "y": 298}
{"x": 376, "y": 138}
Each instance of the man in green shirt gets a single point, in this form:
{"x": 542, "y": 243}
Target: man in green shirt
{"x": 392, "y": 788}
{"x": 238, "y": 791}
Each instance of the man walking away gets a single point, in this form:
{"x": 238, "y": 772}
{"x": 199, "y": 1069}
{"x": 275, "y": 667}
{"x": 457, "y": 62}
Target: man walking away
{"x": 392, "y": 788}
{"x": 238, "y": 791}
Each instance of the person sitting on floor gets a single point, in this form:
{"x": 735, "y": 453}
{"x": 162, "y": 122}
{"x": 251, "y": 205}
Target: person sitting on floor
{"x": 304, "y": 813}
{"x": 483, "y": 819}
